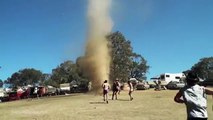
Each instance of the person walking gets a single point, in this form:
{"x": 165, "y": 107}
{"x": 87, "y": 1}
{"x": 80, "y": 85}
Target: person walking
{"x": 106, "y": 88}
{"x": 36, "y": 91}
{"x": 115, "y": 89}
{"x": 195, "y": 98}
{"x": 131, "y": 89}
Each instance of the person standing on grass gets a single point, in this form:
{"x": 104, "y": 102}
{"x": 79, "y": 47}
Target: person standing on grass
{"x": 36, "y": 91}
{"x": 106, "y": 88}
{"x": 131, "y": 89}
{"x": 195, "y": 98}
{"x": 158, "y": 85}
{"x": 115, "y": 89}
{"x": 119, "y": 87}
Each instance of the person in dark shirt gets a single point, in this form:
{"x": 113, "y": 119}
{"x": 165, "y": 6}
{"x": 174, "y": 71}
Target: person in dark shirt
{"x": 115, "y": 89}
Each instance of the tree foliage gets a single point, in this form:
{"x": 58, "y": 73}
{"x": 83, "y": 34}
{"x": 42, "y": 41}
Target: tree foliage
{"x": 139, "y": 67}
{"x": 204, "y": 68}
{"x": 1, "y": 83}
{"x": 125, "y": 63}
{"x": 67, "y": 72}
{"x": 25, "y": 77}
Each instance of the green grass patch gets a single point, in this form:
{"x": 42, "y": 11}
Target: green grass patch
{"x": 147, "y": 105}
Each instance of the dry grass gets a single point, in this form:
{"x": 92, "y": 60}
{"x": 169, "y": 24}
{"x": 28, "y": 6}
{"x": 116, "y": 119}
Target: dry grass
{"x": 147, "y": 105}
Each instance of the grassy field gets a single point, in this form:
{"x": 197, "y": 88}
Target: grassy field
{"x": 147, "y": 105}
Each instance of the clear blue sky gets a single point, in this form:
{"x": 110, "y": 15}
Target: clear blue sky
{"x": 172, "y": 35}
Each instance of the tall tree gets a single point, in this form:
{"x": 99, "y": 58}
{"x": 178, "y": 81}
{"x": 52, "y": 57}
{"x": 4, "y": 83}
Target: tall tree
{"x": 204, "y": 68}
{"x": 121, "y": 51}
{"x": 139, "y": 67}
{"x": 124, "y": 64}
{"x": 67, "y": 72}
{"x": 25, "y": 77}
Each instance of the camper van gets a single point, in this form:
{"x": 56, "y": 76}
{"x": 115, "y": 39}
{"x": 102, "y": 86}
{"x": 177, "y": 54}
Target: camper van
{"x": 168, "y": 77}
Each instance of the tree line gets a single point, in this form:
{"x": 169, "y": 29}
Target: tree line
{"x": 125, "y": 64}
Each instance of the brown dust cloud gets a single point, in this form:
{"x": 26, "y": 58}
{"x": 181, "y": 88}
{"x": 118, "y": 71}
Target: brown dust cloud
{"x": 96, "y": 61}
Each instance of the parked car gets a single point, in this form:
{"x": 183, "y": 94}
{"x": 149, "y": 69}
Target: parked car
{"x": 65, "y": 88}
{"x": 21, "y": 93}
{"x": 151, "y": 84}
{"x": 3, "y": 95}
{"x": 142, "y": 86}
{"x": 175, "y": 85}
{"x": 13, "y": 96}
{"x": 51, "y": 90}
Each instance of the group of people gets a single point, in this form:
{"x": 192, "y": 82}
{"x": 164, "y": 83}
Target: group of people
{"x": 193, "y": 95}
{"x": 116, "y": 88}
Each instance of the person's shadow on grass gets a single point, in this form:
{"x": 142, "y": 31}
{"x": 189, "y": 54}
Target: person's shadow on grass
{"x": 98, "y": 102}
{"x": 123, "y": 100}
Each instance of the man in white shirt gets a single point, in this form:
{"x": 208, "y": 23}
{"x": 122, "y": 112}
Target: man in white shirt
{"x": 194, "y": 97}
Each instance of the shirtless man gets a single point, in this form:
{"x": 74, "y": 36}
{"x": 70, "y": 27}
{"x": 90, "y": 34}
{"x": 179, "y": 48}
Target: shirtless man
{"x": 106, "y": 88}
{"x": 131, "y": 89}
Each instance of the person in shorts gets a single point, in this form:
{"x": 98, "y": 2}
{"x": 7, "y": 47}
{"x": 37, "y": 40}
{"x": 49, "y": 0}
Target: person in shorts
{"x": 106, "y": 88}
{"x": 131, "y": 89}
{"x": 115, "y": 89}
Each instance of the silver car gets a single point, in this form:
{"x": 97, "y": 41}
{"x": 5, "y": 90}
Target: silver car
{"x": 175, "y": 85}
{"x": 142, "y": 86}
